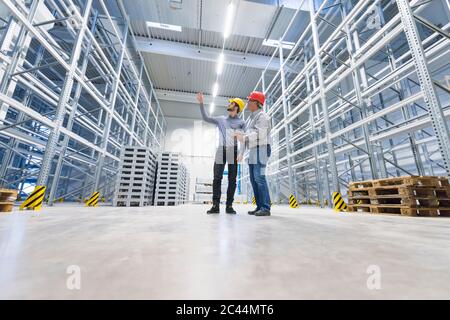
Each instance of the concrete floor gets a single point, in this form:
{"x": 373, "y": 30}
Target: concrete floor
{"x": 181, "y": 253}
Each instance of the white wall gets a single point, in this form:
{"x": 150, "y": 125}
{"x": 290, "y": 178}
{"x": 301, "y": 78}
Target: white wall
{"x": 197, "y": 141}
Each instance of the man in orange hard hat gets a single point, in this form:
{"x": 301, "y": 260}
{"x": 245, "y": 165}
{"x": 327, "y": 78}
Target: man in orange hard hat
{"x": 257, "y": 139}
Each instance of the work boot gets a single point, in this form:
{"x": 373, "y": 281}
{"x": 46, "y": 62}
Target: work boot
{"x": 230, "y": 210}
{"x": 262, "y": 213}
{"x": 253, "y": 212}
{"x": 214, "y": 209}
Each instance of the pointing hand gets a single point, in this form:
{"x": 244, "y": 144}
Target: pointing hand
{"x": 200, "y": 98}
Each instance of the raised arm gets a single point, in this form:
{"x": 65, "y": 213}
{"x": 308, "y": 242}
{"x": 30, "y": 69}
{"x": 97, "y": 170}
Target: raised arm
{"x": 206, "y": 117}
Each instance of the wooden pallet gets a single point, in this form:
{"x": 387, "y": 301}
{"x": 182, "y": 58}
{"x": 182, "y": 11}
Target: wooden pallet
{"x": 6, "y": 206}
{"x": 7, "y": 199}
{"x": 360, "y": 184}
{"x": 411, "y": 196}
{"x": 412, "y": 181}
{"x": 406, "y": 180}
{"x": 400, "y": 210}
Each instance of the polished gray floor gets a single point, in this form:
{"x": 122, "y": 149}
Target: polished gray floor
{"x": 181, "y": 253}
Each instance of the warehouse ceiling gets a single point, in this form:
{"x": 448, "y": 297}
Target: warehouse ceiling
{"x": 182, "y": 63}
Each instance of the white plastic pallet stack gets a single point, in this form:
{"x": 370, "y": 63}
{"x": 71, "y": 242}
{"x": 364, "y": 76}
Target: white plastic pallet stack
{"x": 203, "y": 190}
{"x": 172, "y": 186}
{"x": 136, "y": 179}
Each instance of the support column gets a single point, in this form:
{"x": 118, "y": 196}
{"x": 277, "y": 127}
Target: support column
{"x": 53, "y": 139}
{"x": 323, "y": 99}
{"x": 382, "y": 163}
{"x": 286, "y": 129}
{"x": 136, "y": 103}
{"x": 65, "y": 143}
{"x": 313, "y": 134}
{"x": 327, "y": 184}
{"x": 111, "y": 102}
{"x": 352, "y": 168}
{"x": 438, "y": 120}
{"x": 358, "y": 78}
{"x": 405, "y": 112}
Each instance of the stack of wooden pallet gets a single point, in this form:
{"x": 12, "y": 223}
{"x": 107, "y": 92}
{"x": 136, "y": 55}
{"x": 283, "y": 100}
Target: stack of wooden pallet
{"x": 7, "y": 199}
{"x": 410, "y": 196}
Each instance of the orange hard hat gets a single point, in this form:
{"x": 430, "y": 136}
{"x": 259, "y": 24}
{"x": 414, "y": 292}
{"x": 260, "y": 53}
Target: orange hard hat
{"x": 257, "y": 96}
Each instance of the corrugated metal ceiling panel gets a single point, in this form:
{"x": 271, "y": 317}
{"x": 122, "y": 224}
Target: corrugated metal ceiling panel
{"x": 188, "y": 75}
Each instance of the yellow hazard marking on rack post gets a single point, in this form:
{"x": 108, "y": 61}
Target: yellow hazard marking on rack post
{"x": 339, "y": 203}
{"x": 35, "y": 199}
{"x": 254, "y": 201}
{"x": 93, "y": 200}
{"x": 293, "y": 202}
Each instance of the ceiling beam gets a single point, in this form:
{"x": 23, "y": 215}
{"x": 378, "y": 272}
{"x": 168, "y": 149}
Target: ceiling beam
{"x": 186, "y": 97}
{"x": 177, "y": 49}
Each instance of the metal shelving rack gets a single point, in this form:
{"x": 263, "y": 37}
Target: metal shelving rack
{"x": 73, "y": 90}
{"x": 362, "y": 95}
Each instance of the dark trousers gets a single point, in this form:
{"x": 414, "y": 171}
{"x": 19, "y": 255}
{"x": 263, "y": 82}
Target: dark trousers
{"x": 225, "y": 155}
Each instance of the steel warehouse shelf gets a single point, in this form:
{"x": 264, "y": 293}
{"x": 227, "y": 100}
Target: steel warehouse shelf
{"x": 362, "y": 95}
{"x": 74, "y": 89}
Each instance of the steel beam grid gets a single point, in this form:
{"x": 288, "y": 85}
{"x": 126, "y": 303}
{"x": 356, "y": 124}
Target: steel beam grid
{"x": 401, "y": 120}
{"x": 142, "y": 121}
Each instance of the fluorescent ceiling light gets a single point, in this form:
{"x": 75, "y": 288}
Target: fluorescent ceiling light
{"x": 215, "y": 89}
{"x": 228, "y": 20}
{"x": 176, "y": 4}
{"x": 220, "y": 63}
{"x": 212, "y": 106}
{"x": 164, "y": 26}
{"x": 275, "y": 43}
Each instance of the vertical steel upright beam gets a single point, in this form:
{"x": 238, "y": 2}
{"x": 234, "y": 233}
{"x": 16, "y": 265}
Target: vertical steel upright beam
{"x": 285, "y": 118}
{"x": 136, "y": 102}
{"x": 111, "y": 102}
{"x": 323, "y": 99}
{"x": 326, "y": 184}
{"x": 438, "y": 120}
{"x": 65, "y": 143}
{"x": 314, "y": 137}
{"x": 291, "y": 133}
{"x": 352, "y": 168}
{"x": 358, "y": 78}
{"x": 53, "y": 139}
{"x": 382, "y": 163}
{"x": 401, "y": 96}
